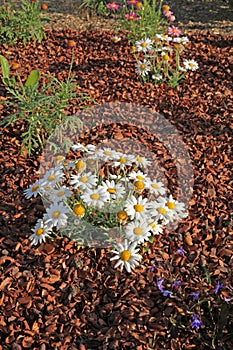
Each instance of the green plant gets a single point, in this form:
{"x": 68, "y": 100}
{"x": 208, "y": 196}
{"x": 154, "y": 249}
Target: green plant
{"x": 141, "y": 19}
{"x": 42, "y": 107}
{"x": 94, "y": 6}
{"x": 23, "y": 24}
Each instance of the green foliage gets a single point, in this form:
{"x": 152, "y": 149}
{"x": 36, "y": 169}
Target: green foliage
{"x": 94, "y": 6}
{"x": 149, "y": 20}
{"x": 24, "y": 24}
{"x": 42, "y": 107}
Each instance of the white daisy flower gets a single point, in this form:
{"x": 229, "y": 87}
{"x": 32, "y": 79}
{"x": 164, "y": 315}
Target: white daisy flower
{"x": 83, "y": 181}
{"x": 78, "y": 147}
{"x": 138, "y": 231}
{"x": 159, "y": 211}
{"x": 116, "y": 39}
{"x": 52, "y": 176}
{"x": 144, "y": 45}
{"x": 177, "y": 208}
{"x": 136, "y": 207}
{"x": 157, "y": 187}
{"x": 123, "y": 160}
{"x": 138, "y": 176}
{"x": 107, "y": 153}
{"x": 143, "y": 67}
{"x": 115, "y": 190}
{"x": 60, "y": 194}
{"x": 32, "y": 190}
{"x": 40, "y": 232}
{"x": 163, "y": 37}
{"x": 190, "y": 65}
{"x": 142, "y": 161}
{"x": 127, "y": 255}
{"x": 88, "y": 148}
{"x": 155, "y": 228}
{"x": 95, "y": 197}
{"x": 181, "y": 40}
{"x": 56, "y": 215}
{"x": 157, "y": 77}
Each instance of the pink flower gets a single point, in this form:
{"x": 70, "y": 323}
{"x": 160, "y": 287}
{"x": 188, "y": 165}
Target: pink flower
{"x": 167, "y": 13}
{"x": 112, "y": 6}
{"x": 171, "y": 18}
{"x": 132, "y": 16}
{"x": 174, "y": 31}
{"x": 131, "y": 2}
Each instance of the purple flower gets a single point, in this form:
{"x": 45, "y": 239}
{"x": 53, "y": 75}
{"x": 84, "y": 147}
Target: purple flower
{"x": 159, "y": 284}
{"x": 167, "y": 293}
{"x": 218, "y": 286}
{"x": 180, "y": 251}
{"x": 196, "y": 322}
{"x": 195, "y": 295}
{"x": 176, "y": 284}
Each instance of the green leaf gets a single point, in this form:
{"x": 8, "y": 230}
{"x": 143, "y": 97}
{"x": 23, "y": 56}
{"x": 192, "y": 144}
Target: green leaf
{"x": 5, "y": 67}
{"x": 33, "y": 78}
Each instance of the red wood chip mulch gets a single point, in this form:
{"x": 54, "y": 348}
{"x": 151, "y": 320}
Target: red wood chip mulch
{"x": 57, "y": 297}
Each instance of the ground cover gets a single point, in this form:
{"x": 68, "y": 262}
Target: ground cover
{"x": 55, "y": 296}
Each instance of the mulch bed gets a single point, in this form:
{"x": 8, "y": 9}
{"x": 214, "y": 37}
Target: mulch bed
{"x": 56, "y": 296}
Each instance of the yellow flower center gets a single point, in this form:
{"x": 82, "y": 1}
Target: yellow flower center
{"x": 79, "y": 210}
{"x": 60, "y": 193}
{"x": 60, "y": 158}
{"x": 153, "y": 225}
{"x": 47, "y": 188}
{"x": 139, "y": 185}
{"x": 161, "y": 210}
{"x": 143, "y": 66}
{"x": 143, "y": 44}
{"x": 39, "y": 231}
{"x": 166, "y": 8}
{"x": 80, "y": 166}
{"x": 138, "y": 208}
{"x": 138, "y": 231}
{"x": 83, "y": 179}
{"x": 111, "y": 190}
{"x": 165, "y": 57}
{"x": 51, "y": 177}
{"x": 107, "y": 153}
{"x": 191, "y": 64}
{"x": 122, "y": 215}
{"x": 125, "y": 255}
{"x": 139, "y": 177}
{"x": 155, "y": 186}
{"x": 56, "y": 214}
{"x": 122, "y": 160}
{"x": 95, "y": 196}
{"x": 171, "y": 205}
{"x": 139, "y": 159}
{"x": 34, "y": 188}
{"x": 138, "y": 5}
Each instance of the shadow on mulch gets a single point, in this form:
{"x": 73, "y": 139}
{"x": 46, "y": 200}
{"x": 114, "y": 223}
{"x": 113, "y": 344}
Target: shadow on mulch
{"x": 57, "y": 296}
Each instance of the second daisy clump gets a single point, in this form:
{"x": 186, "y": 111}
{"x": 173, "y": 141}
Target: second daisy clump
{"x": 104, "y": 198}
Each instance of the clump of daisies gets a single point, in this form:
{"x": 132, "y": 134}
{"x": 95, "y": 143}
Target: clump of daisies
{"x": 159, "y": 59}
{"x": 156, "y": 42}
{"x": 104, "y": 198}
